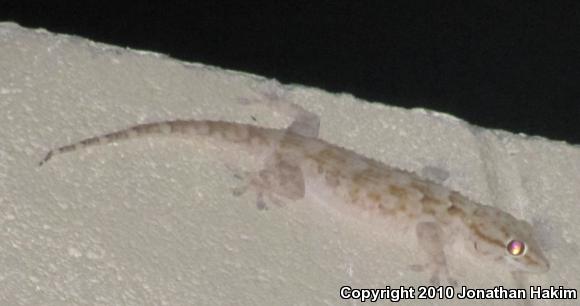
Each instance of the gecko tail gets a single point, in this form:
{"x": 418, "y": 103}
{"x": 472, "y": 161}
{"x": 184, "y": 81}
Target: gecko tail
{"x": 231, "y": 132}
{"x": 46, "y": 158}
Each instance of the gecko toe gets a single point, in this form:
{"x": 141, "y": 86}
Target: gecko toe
{"x": 453, "y": 283}
{"x": 260, "y": 203}
{"x": 239, "y": 190}
{"x": 417, "y": 268}
{"x": 435, "y": 280}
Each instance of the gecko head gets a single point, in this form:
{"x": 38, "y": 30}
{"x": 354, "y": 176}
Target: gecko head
{"x": 504, "y": 239}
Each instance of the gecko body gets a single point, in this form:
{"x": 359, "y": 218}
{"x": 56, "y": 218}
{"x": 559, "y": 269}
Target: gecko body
{"x": 298, "y": 165}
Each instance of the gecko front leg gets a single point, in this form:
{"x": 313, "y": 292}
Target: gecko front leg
{"x": 430, "y": 238}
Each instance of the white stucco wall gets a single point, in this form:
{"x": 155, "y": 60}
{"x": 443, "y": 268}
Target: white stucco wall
{"x": 152, "y": 221}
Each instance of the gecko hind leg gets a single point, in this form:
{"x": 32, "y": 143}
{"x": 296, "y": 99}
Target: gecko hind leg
{"x": 282, "y": 178}
{"x": 430, "y": 239}
{"x": 304, "y": 123}
{"x": 278, "y": 182}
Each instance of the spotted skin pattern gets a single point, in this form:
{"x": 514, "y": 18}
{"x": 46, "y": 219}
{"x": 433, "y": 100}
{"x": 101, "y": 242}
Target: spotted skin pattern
{"x": 298, "y": 165}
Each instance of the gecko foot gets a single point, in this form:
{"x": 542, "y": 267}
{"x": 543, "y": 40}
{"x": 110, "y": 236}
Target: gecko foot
{"x": 273, "y": 97}
{"x": 437, "y": 280}
{"x": 253, "y": 180}
{"x": 439, "y": 275}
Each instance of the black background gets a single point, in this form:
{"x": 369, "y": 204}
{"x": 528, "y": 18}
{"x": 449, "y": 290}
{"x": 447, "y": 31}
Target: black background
{"x": 500, "y": 64}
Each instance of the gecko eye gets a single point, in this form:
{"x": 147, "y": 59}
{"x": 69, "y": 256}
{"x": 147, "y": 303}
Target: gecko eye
{"x": 516, "y": 247}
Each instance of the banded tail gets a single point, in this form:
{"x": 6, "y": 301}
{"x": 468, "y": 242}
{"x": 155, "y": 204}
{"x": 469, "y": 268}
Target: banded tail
{"x": 233, "y": 132}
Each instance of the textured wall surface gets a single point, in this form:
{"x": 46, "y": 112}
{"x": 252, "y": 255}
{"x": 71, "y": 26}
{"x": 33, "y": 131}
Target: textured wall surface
{"x": 153, "y": 221}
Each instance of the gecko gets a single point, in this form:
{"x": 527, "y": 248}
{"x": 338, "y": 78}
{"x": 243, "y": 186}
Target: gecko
{"x": 296, "y": 165}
